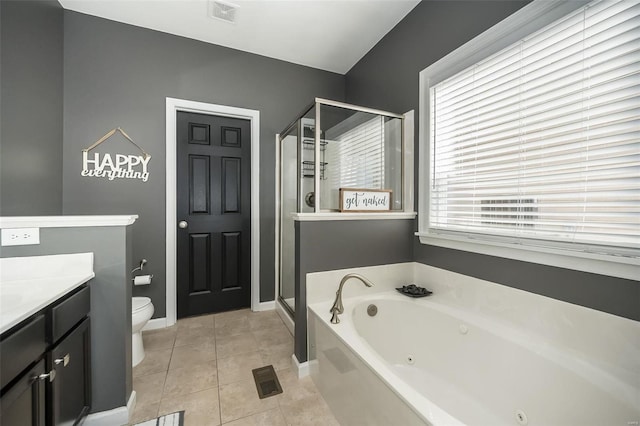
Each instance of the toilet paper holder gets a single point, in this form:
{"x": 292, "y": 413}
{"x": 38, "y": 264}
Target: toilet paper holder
{"x": 144, "y": 279}
{"x": 140, "y": 268}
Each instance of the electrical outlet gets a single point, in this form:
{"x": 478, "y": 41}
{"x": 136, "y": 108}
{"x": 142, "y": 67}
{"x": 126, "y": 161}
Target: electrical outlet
{"x": 20, "y": 236}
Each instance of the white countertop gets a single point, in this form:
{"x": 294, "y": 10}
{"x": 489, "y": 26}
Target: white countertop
{"x": 65, "y": 221}
{"x": 28, "y": 284}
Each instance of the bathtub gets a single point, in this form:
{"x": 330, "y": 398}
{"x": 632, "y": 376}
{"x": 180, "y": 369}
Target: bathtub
{"x": 426, "y": 361}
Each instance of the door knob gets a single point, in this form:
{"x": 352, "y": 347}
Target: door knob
{"x": 183, "y": 224}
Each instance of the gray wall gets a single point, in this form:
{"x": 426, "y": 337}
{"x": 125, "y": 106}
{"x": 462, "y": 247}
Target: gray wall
{"x": 119, "y": 75}
{"x": 387, "y": 78}
{"x": 323, "y": 246}
{"x": 31, "y": 107}
{"x": 111, "y": 381}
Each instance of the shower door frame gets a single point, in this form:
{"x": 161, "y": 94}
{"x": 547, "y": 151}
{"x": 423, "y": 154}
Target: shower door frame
{"x": 406, "y": 167}
{"x": 278, "y": 196}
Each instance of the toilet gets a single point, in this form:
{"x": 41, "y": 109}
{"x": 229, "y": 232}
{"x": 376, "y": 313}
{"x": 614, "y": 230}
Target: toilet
{"x": 141, "y": 312}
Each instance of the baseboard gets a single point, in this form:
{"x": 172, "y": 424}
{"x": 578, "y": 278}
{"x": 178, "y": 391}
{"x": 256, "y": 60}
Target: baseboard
{"x": 131, "y": 404}
{"x": 266, "y": 306}
{"x": 155, "y": 324}
{"x": 116, "y": 416}
{"x": 302, "y": 369}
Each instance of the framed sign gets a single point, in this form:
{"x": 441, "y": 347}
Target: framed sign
{"x": 119, "y": 166}
{"x": 365, "y": 200}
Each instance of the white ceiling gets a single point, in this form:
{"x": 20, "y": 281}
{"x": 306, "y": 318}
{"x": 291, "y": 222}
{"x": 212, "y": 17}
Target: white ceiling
{"x": 332, "y": 35}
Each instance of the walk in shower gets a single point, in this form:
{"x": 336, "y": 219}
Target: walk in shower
{"x": 333, "y": 146}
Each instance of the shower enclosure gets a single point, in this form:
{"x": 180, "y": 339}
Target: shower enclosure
{"x": 332, "y": 146}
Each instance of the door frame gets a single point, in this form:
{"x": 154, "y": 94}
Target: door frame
{"x": 174, "y": 105}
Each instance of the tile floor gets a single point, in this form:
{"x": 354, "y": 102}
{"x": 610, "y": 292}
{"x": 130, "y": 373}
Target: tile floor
{"x": 203, "y": 365}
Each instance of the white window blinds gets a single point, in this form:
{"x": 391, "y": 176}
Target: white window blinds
{"x": 358, "y": 156}
{"x": 542, "y": 139}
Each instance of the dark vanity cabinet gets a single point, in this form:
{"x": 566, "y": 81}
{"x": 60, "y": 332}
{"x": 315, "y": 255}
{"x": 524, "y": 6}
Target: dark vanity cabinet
{"x": 45, "y": 365}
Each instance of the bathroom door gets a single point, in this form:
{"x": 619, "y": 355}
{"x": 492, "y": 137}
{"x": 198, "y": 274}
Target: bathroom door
{"x": 214, "y": 212}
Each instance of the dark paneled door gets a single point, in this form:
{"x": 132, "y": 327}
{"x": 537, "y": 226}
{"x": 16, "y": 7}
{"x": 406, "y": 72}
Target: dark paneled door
{"x": 214, "y": 212}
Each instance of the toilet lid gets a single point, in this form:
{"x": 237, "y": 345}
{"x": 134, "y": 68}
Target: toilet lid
{"x": 138, "y": 303}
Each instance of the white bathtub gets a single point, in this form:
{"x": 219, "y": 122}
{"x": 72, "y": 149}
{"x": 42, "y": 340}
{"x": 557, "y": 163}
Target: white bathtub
{"x": 426, "y": 361}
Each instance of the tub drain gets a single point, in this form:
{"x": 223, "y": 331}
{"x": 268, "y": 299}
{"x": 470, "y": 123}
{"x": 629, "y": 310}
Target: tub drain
{"x": 410, "y": 360}
{"x": 372, "y": 310}
{"x": 521, "y": 417}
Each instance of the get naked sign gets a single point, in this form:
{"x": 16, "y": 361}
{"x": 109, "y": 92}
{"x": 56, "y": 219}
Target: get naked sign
{"x": 118, "y": 166}
{"x": 365, "y": 200}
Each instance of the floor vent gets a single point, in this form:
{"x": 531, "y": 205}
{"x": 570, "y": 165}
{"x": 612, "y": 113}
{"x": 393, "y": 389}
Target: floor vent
{"x": 266, "y": 381}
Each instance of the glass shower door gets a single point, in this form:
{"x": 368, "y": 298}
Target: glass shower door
{"x": 288, "y": 205}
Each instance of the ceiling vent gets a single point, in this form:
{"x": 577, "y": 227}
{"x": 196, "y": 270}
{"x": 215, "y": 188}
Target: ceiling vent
{"x": 223, "y": 10}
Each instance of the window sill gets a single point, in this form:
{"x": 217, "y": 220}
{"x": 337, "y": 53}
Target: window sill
{"x": 615, "y": 266}
{"x": 328, "y": 216}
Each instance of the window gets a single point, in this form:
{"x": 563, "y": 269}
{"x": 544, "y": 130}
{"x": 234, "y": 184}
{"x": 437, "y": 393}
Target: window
{"x": 359, "y": 156}
{"x": 538, "y": 142}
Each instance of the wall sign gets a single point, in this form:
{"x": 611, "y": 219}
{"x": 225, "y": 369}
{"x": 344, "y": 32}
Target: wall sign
{"x": 365, "y": 200}
{"x": 119, "y": 166}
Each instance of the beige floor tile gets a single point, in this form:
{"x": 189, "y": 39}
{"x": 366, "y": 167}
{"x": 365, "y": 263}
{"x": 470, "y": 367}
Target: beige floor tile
{"x": 149, "y": 388}
{"x": 235, "y": 327}
{"x": 294, "y": 389}
{"x": 201, "y": 408}
{"x": 308, "y": 411}
{"x": 236, "y": 345}
{"x": 273, "y": 336}
{"x": 197, "y": 336}
{"x": 223, "y": 319}
{"x": 144, "y": 412}
{"x": 238, "y": 367}
{"x": 159, "y": 339}
{"x": 265, "y": 319}
{"x": 202, "y": 321}
{"x": 267, "y": 418}
{"x": 192, "y": 355}
{"x": 155, "y": 361}
{"x": 190, "y": 379}
{"x": 240, "y": 399}
{"x": 277, "y": 355}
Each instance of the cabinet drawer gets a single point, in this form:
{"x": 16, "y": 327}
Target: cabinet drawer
{"x": 68, "y": 313}
{"x": 21, "y": 348}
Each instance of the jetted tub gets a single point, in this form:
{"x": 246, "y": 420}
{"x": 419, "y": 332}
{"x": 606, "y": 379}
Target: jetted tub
{"x": 419, "y": 361}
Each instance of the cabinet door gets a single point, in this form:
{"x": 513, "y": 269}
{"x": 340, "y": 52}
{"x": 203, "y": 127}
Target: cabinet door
{"x": 71, "y": 389}
{"x": 24, "y": 403}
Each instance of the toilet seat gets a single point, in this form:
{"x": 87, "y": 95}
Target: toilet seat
{"x": 139, "y": 303}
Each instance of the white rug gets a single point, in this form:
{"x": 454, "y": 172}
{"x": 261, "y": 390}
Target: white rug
{"x": 173, "y": 419}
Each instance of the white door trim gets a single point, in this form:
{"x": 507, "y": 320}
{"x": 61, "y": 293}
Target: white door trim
{"x": 172, "y": 107}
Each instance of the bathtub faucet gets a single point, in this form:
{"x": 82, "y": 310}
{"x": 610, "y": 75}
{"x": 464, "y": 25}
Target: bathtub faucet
{"x": 337, "y": 307}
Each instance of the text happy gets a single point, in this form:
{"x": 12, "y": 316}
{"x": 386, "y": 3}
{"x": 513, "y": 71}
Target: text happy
{"x": 124, "y": 166}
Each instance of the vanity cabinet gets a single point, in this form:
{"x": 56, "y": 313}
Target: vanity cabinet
{"x": 45, "y": 365}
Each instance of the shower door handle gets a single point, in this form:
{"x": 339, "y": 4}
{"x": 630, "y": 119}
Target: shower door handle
{"x": 183, "y": 224}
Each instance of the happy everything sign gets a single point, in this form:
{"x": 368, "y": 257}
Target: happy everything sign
{"x": 120, "y": 167}
{"x": 117, "y": 166}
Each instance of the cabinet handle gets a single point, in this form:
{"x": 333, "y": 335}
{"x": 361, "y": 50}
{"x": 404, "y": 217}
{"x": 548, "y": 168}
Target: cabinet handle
{"x": 64, "y": 360}
{"x": 51, "y": 375}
